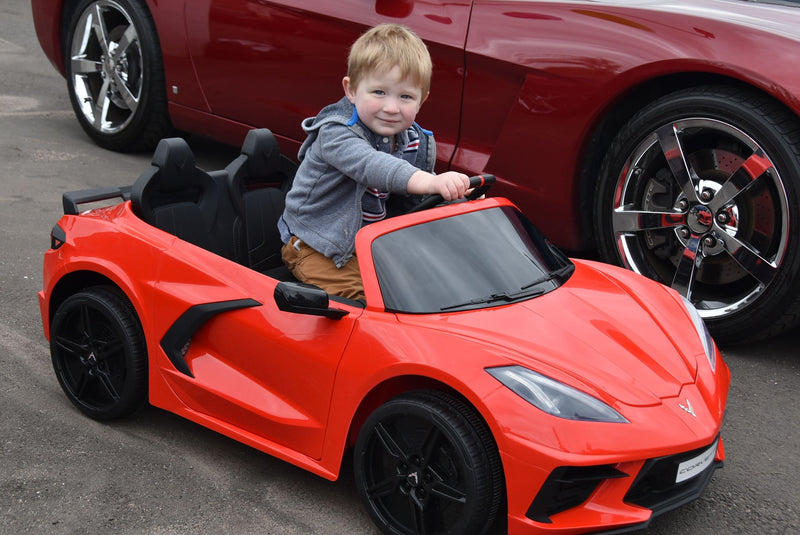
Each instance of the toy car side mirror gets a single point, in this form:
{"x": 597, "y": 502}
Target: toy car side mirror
{"x": 302, "y": 298}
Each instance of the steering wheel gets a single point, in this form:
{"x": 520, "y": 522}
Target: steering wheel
{"x": 479, "y": 184}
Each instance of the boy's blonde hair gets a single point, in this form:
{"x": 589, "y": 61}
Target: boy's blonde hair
{"x": 387, "y": 45}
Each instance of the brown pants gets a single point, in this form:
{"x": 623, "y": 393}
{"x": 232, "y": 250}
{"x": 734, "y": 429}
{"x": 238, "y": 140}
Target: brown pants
{"x": 312, "y": 267}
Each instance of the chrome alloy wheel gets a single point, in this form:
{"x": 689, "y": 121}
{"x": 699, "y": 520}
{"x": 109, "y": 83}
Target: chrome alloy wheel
{"x": 700, "y": 206}
{"x": 106, "y": 65}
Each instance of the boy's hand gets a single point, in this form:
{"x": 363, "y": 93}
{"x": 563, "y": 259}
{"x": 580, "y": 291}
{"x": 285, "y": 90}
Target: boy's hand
{"x": 450, "y": 185}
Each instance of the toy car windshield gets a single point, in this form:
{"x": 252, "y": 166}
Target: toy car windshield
{"x": 473, "y": 260}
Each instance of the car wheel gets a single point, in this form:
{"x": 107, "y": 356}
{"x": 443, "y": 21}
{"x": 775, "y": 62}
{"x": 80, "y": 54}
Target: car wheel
{"x": 99, "y": 355}
{"x": 425, "y": 462}
{"x": 700, "y": 192}
{"x": 115, "y": 74}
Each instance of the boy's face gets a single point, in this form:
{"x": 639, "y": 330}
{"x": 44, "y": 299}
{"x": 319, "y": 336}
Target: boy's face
{"x": 386, "y": 102}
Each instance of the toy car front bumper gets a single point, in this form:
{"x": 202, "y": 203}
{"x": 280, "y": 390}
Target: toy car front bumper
{"x": 570, "y": 477}
{"x": 611, "y": 498}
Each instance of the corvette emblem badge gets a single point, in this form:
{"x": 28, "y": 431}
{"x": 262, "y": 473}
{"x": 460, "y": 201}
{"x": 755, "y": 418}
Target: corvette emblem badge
{"x": 688, "y": 407}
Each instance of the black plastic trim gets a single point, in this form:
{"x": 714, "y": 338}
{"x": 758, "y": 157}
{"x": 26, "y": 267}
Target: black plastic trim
{"x": 703, "y": 479}
{"x": 72, "y": 199}
{"x": 177, "y": 339}
{"x": 661, "y": 501}
{"x": 568, "y": 487}
{"x": 58, "y": 237}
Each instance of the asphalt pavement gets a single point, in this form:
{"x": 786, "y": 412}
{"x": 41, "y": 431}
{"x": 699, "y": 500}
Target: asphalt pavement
{"x": 61, "y": 473}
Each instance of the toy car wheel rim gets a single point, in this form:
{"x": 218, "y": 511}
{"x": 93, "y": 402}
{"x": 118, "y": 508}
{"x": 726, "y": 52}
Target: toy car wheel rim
{"x": 700, "y": 206}
{"x": 426, "y": 464}
{"x": 98, "y": 354}
{"x": 106, "y": 65}
{"x": 408, "y": 486}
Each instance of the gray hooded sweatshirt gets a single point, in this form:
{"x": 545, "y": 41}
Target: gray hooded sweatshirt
{"x": 338, "y": 161}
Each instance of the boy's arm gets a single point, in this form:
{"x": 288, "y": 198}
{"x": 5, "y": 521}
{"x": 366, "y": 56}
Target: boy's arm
{"x": 356, "y": 158}
{"x": 450, "y": 185}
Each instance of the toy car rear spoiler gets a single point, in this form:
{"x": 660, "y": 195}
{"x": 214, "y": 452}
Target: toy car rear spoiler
{"x": 72, "y": 199}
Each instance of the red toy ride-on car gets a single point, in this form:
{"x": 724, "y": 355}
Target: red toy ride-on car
{"x": 486, "y": 380}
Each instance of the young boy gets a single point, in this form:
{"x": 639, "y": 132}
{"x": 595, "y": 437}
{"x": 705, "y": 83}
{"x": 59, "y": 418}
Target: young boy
{"x": 358, "y": 151}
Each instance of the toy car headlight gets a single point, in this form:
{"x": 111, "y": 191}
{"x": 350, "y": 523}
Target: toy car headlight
{"x": 553, "y": 397}
{"x": 702, "y": 332}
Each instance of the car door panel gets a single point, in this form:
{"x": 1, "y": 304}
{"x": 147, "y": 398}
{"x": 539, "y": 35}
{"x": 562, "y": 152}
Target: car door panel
{"x": 271, "y": 52}
{"x": 241, "y": 364}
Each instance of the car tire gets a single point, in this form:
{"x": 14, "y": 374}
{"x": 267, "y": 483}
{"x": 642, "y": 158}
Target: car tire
{"x": 425, "y": 462}
{"x": 115, "y": 74}
{"x": 666, "y": 206}
{"x": 99, "y": 353}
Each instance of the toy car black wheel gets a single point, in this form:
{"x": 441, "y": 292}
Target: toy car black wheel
{"x": 99, "y": 355}
{"x": 698, "y": 192}
{"x": 115, "y": 74}
{"x": 425, "y": 462}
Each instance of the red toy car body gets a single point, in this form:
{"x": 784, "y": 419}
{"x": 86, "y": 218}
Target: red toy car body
{"x": 574, "y": 105}
{"x": 513, "y": 375}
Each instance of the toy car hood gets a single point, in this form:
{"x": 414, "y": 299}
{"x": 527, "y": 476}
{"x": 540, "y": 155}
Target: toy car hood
{"x": 592, "y": 331}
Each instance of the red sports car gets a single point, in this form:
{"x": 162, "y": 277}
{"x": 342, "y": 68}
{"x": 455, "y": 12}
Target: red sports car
{"x": 485, "y": 379}
{"x": 664, "y": 135}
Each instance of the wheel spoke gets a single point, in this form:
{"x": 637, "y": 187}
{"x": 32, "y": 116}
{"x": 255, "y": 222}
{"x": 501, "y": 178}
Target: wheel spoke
{"x": 131, "y": 101}
{"x": 85, "y": 322}
{"x": 741, "y": 179}
{"x": 687, "y": 267}
{"x": 390, "y": 444}
{"x": 444, "y": 490}
{"x": 125, "y": 45}
{"x": 418, "y": 514}
{"x": 81, "y": 382}
{"x": 72, "y": 347}
{"x": 429, "y": 445}
{"x": 104, "y": 377}
{"x": 129, "y": 37}
{"x": 101, "y": 106}
{"x": 99, "y": 28}
{"x": 386, "y": 486}
{"x": 750, "y": 260}
{"x": 673, "y": 152}
{"x": 84, "y": 66}
{"x": 636, "y": 220}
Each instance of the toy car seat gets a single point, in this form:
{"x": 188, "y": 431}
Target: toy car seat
{"x": 261, "y": 176}
{"x": 182, "y": 199}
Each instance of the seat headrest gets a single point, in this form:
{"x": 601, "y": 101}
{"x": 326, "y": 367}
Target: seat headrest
{"x": 175, "y": 160}
{"x": 262, "y": 150}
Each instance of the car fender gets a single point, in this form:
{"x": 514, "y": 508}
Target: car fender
{"x": 385, "y": 358}
{"x": 107, "y": 259}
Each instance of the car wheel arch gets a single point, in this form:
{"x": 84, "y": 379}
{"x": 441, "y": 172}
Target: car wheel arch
{"x": 401, "y": 384}
{"x": 68, "y": 8}
{"x": 78, "y": 281}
